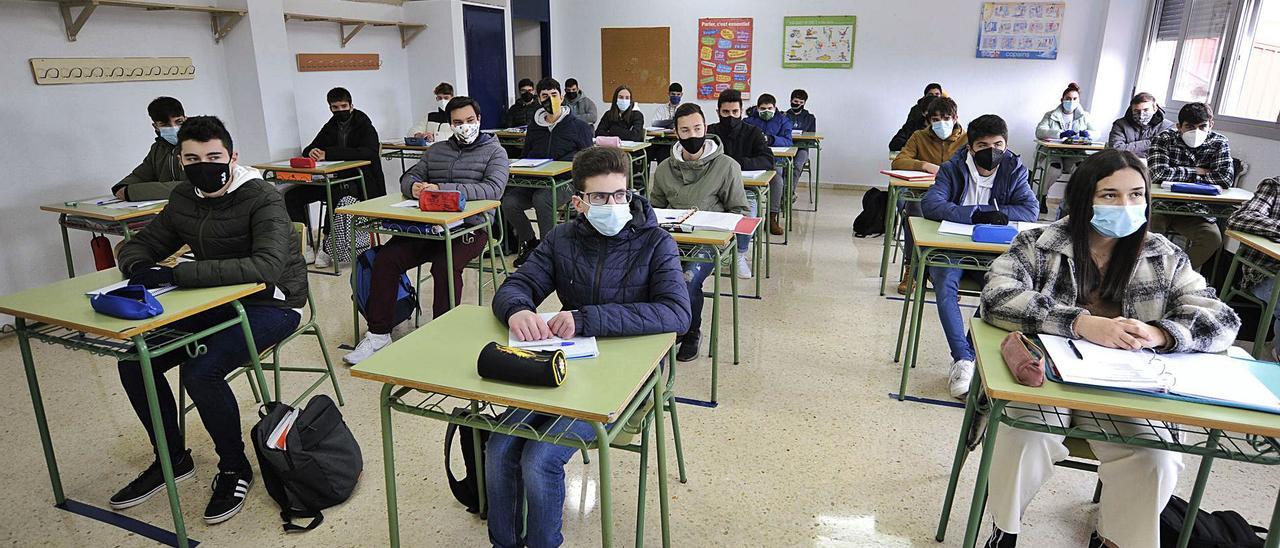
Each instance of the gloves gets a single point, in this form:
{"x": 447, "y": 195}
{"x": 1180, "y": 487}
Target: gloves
{"x": 1084, "y": 134}
{"x": 1067, "y": 134}
{"x": 151, "y": 278}
{"x": 992, "y": 217}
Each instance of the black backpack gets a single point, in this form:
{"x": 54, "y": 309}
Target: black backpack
{"x": 466, "y": 490}
{"x": 318, "y": 468}
{"x": 1221, "y": 529}
{"x": 871, "y": 221}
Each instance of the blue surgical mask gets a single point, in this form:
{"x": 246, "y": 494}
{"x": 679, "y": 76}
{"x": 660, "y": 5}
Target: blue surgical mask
{"x": 1068, "y": 105}
{"x": 943, "y": 128}
{"x": 1118, "y": 221}
{"x": 624, "y": 104}
{"x": 609, "y": 219}
{"x": 675, "y": 99}
{"x": 169, "y": 133}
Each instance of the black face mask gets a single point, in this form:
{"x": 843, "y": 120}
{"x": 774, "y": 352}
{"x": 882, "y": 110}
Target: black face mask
{"x": 730, "y": 122}
{"x": 342, "y": 116}
{"x": 796, "y": 107}
{"x": 209, "y": 177}
{"x": 546, "y": 104}
{"x": 692, "y": 145}
{"x": 988, "y": 158}
{"x": 526, "y": 97}
{"x": 570, "y": 95}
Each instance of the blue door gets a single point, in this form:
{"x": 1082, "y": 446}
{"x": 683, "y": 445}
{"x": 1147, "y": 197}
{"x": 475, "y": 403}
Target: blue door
{"x": 485, "y": 33}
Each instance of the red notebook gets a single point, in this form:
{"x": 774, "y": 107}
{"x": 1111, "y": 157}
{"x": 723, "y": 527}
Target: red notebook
{"x": 908, "y": 175}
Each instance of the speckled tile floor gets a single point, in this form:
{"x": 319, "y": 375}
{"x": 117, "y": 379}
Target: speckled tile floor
{"x": 806, "y": 448}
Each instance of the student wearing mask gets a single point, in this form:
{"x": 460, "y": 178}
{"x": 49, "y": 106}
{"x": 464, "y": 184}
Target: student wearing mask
{"x": 555, "y": 133}
{"x": 1099, "y": 275}
{"x": 523, "y": 108}
{"x": 435, "y": 126}
{"x": 699, "y": 174}
{"x": 747, "y": 145}
{"x": 777, "y": 133}
{"x": 623, "y": 120}
{"x": 801, "y": 120}
{"x": 577, "y": 101}
{"x": 254, "y": 243}
{"x": 1260, "y": 216}
{"x": 1067, "y": 120}
{"x": 983, "y": 183}
{"x": 665, "y": 117}
{"x": 1143, "y": 121}
{"x": 1192, "y": 152}
{"x": 915, "y": 117}
{"x": 470, "y": 162}
{"x": 348, "y": 135}
{"x": 641, "y": 292}
{"x": 160, "y": 171}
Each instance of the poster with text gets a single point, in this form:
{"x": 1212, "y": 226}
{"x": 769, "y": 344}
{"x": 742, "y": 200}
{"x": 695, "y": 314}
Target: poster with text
{"x": 818, "y": 42}
{"x": 724, "y": 56}
{"x": 1020, "y": 30}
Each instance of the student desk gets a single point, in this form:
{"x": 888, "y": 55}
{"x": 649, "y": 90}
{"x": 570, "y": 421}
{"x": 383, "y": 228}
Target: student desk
{"x": 1207, "y": 430}
{"x": 933, "y": 248}
{"x": 639, "y": 166}
{"x": 900, "y": 190}
{"x": 1168, "y": 202}
{"x": 60, "y": 314}
{"x": 510, "y": 137}
{"x": 811, "y": 140}
{"x": 662, "y": 136}
{"x": 1046, "y": 151}
{"x": 758, "y": 186}
{"x": 724, "y": 249}
{"x": 390, "y": 150}
{"x": 369, "y": 216}
{"x": 554, "y": 175}
{"x": 785, "y": 157}
{"x": 85, "y": 215}
{"x": 1270, "y": 248}
{"x": 326, "y": 175}
{"x": 432, "y": 371}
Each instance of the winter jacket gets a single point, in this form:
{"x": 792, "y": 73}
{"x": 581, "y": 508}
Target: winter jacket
{"x": 243, "y": 236}
{"x": 627, "y": 125}
{"x": 156, "y": 176}
{"x": 804, "y": 120}
{"x": 713, "y": 182}
{"x": 354, "y": 140}
{"x": 1259, "y": 216}
{"x": 435, "y": 123}
{"x": 925, "y": 146}
{"x": 1031, "y": 289}
{"x": 625, "y": 285}
{"x": 583, "y": 107}
{"x": 746, "y": 145}
{"x": 520, "y": 114}
{"x": 478, "y": 170}
{"x": 1055, "y": 122}
{"x": 1170, "y": 160}
{"x": 915, "y": 122}
{"x": 561, "y": 141}
{"x": 1126, "y": 134}
{"x": 665, "y": 115}
{"x": 1010, "y": 191}
{"x": 777, "y": 130}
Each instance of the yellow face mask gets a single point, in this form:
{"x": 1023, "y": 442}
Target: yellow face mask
{"x": 552, "y": 104}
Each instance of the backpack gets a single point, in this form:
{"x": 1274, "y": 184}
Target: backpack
{"x": 319, "y": 465}
{"x": 871, "y": 221}
{"x": 338, "y": 243}
{"x": 1221, "y": 529}
{"x": 465, "y": 490}
{"x": 362, "y": 282}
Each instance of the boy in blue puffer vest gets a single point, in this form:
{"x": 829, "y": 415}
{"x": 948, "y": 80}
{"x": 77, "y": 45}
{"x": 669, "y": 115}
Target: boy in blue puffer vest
{"x": 616, "y": 274}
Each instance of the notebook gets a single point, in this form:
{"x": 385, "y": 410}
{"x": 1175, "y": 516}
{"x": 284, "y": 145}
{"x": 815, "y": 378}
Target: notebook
{"x": 753, "y": 173}
{"x": 575, "y": 348}
{"x": 702, "y": 220}
{"x": 961, "y": 229}
{"x": 908, "y": 175}
{"x": 155, "y": 292}
{"x": 530, "y": 162}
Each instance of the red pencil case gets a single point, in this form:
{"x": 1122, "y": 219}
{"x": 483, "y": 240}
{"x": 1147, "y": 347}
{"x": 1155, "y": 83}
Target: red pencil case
{"x": 303, "y": 162}
{"x": 442, "y": 200}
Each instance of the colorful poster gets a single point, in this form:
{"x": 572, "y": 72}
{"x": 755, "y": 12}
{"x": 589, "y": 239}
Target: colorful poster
{"x": 1020, "y": 30}
{"x": 818, "y": 42}
{"x": 724, "y": 56}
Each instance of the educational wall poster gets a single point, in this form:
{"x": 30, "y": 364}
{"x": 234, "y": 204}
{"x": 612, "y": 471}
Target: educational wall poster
{"x": 818, "y": 41}
{"x": 724, "y": 56}
{"x": 1020, "y": 30}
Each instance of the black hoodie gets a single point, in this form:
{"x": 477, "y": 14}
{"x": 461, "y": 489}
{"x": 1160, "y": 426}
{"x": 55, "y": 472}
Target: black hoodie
{"x": 355, "y": 139}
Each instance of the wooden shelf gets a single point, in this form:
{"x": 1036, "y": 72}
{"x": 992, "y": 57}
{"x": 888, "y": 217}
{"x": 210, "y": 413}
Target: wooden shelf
{"x": 408, "y": 31}
{"x": 222, "y": 20}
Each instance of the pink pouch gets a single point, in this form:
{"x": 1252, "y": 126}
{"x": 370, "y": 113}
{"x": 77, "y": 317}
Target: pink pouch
{"x": 607, "y": 141}
{"x": 1024, "y": 359}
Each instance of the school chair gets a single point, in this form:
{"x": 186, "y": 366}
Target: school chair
{"x": 625, "y": 440}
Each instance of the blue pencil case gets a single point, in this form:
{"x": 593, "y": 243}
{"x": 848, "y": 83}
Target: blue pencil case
{"x": 1197, "y": 188}
{"x": 131, "y": 302}
{"x": 994, "y": 234}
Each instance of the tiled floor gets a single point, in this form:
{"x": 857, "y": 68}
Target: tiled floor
{"x": 806, "y": 448}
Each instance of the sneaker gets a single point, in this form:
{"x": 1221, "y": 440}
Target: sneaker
{"x": 744, "y": 269}
{"x": 151, "y": 481}
{"x": 372, "y": 342}
{"x": 525, "y": 251}
{"x": 309, "y": 255}
{"x": 229, "y": 491}
{"x": 689, "y": 347}
{"x": 1001, "y": 539}
{"x": 322, "y": 259}
{"x": 1096, "y": 541}
{"x": 960, "y": 377}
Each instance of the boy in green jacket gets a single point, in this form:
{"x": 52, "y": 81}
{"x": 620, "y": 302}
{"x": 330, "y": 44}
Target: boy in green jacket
{"x": 160, "y": 170}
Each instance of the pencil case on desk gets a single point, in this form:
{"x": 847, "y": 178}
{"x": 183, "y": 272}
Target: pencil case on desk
{"x": 442, "y": 200}
{"x": 131, "y": 302}
{"x": 302, "y": 162}
{"x": 521, "y": 366}
{"x": 1197, "y": 188}
{"x": 994, "y": 234}
{"x": 1024, "y": 359}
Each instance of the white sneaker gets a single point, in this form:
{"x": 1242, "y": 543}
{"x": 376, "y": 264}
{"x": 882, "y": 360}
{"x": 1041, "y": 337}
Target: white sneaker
{"x": 309, "y": 255}
{"x": 960, "y": 377}
{"x": 372, "y": 342}
{"x": 322, "y": 259}
{"x": 744, "y": 269}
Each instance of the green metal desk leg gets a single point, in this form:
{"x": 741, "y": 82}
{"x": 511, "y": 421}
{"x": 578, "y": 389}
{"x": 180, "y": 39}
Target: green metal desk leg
{"x": 644, "y": 478}
{"x": 389, "y": 465}
{"x": 913, "y": 328}
{"x": 1197, "y": 493}
{"x": 66, "y": 246}
{"x": 1226, "y": 290}
{"x": 1264, "y": 325}
{"x": 984, "y": 469}
{"x": 1273, "y": 541}
{"x": 789, "y": 185}
{"x": 162, "y": 444}
{"x": 733, "y": 288}
{"x": 890, "y": 222}
{"x": 253, "y": 352}
{"x": 817, "y": 170}
{"x": 606, "y": 483}
{"x": 906, "y": 305}
{"x": 957, "y": 462}
{"x": 659, "y": 396}
{"x": 479, "y": 455}
{"x": 37, "y": 404}
{"x": 355, "y": 312}
{"x": 328, "y": 200}
{"x": 715, "y": 322}
{"x": 448, "y": 260}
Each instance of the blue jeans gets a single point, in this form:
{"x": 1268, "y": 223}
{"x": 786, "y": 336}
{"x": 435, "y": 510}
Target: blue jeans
{"x": 946, "y": 288}
{"x": 516, "y": 465}
{"x": 1263, "y": 291}
{"x": 694, "y": 275}
{"x": 744, "y": 240}
{"x": 204, "y": 379}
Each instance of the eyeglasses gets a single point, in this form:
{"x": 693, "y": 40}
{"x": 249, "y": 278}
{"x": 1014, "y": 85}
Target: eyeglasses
{"x": 602, "y": 198}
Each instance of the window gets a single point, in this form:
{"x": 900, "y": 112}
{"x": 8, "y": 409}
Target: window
{"x": 1222, "y": 52}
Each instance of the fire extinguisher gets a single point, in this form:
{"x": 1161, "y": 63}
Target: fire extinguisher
{"x": 103, "y": 255}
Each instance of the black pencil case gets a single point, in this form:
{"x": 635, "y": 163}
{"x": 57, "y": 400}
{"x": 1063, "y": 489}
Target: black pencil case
{"x": 517, "y": 365}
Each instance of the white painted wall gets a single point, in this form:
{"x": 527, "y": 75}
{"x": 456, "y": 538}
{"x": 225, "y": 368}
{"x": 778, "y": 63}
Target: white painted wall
{"x": 526, "y": 36}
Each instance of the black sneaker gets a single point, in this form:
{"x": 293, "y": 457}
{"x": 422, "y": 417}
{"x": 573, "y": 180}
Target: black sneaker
{"x": 1095, "y": 541}
{"x": 689, "y": 347}
{"x": 526, "y": 249}
{"x": 1001, "y": 539}
{"x": 229, "y": 491}
{"x": 151, "y": 481}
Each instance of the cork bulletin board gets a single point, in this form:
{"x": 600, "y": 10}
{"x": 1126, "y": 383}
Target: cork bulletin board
{"x": 640, "y": 58}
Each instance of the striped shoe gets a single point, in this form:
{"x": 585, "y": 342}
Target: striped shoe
{"x": 229, "y": 492}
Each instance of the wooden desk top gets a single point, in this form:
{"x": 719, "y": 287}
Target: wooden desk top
{"x": 318, "y": 170}
{"x": 402, "y": 146}
{"x": 549, "y": 169}
{"x": 790, "y": 152}
{"x": 103, "y": 213}
{"x": 1268, "y": 247}
{"x": 635, "y": 147}
{"x": 925, "y": 233}
{"x": 1068, "y": 146}
{"x": 380, "y": 208}
{"x": 703, "y": 237}
{"x": 759, "y": 180}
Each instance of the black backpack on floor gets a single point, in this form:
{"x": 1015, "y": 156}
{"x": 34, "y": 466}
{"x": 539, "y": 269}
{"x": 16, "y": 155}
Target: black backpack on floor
{"x": 871, "y": 221}
{"x": 318, "y": 468}
{"x": 466, "y": 490}
{"x": 1221, "y": 529}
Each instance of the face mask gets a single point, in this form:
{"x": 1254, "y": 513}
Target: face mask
{"x": 609, "y": 219}
{"x": 526, "y": 96}
{"x": 730, "y": 122}
{"x": 442, "y": 103}
{"x": 1144, "y": 117}
{"x": 943, "y": 129}
{"x": 692, "y": 145}
{"x": 1195, "y": 137}
{"x": 169, "y": 134}
{"x": 1068, "y": 105}
{"x": 550, "y": 104}
{"x": 624, "y": 104}
{"x": 570, "y": 95}
{"x": 675, "y": 99}
{"x": 342, "y": 116}
{"x": 467, "y": 133}
{"x": 766, "y": 115}
{"x": 209, "y": 177}
{"x": 797, "y": 107}
{"x": 1118, "y": 221}
{"x": 988, "y": 158}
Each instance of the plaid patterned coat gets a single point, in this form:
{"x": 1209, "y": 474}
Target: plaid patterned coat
{"x": 1260, "y": 216}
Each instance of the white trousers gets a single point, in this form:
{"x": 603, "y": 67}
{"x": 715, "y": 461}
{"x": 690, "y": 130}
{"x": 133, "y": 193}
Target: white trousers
{"x": 1137, "y": 482}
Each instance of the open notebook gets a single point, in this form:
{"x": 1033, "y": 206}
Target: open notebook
{"x": 577, "y": 347}
{"x": 704, "y": 220}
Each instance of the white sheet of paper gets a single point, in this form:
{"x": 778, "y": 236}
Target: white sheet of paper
{"x": 529, "y": 162}
{"x": 961, "y": 229}
{"x": 630, "y": 143}
{"x": 406, "y": 203}
{"x": 577, "y": 347}
{"x": 134, "y": 205}
{"x": 107, "y": 288}
{"x": 753, "y": 173}
{"x": 908, "y": 173}
{"x": 779, "y": 149}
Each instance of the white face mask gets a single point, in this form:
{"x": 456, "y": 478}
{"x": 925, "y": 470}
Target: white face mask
{"x": 1195, "y": 137}
{"x": 442, "y": 102}
{"x": 624, "y": 104}
{"x": 467, "y": 133}
{"x": 943, "y": 128}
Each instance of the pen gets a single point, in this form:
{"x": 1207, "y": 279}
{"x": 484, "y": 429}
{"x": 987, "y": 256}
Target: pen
{"x": 1072, "y": 344}
{"x": 553, "y": 345}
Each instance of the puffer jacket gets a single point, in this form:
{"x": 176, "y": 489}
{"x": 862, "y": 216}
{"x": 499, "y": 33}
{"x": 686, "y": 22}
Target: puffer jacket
{"x": 628, "y": 284}
{"x": 1010, "y": 191}
{"x": 746, "y": 144}
{"x": 356, "y": 139}
{"x": 627, "y": 125}
{"x": 1055, "y": 122}
{"x": 1126, "y": 134}
{"x": 561, "y": 141}
{"x": 243, "y": 236}
{"x": 1031, "y": 288}
{"x": 776, "y": 130}
{"x": 156, "y": 176}
{"x": 710, "y": 183}
{"x": 479, "y": 170}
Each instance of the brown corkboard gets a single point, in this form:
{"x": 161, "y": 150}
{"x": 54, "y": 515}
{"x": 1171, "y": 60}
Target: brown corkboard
{"x": 638, "y": 57}
{"x": 317, "y": 62}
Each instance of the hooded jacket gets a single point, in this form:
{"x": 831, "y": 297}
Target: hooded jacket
{"x": 628, "y": 284}
{"x": 157, "y": 175}
{"x": 243, "y": 236}
{"x": 804, "y": 120}
{"x": 915, "y": 122}
{"x": 478, "y": 170}
{"x": 746, "y": 144}
{"x": 559, "y": 141}
{"x": 925, "y": 146}
{"x": 627, "y": 125}
{"x": 713, "y": 182}
{"x": 520, "y": 113}
{"x": 1055, "y": 122}
{"x": 356, "y": 139}
{"x": 776, "y": 130}
{"x": 1127, "y": 134}
{"x": 583, "y": 107}
{"x": 1010, "y": 191}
